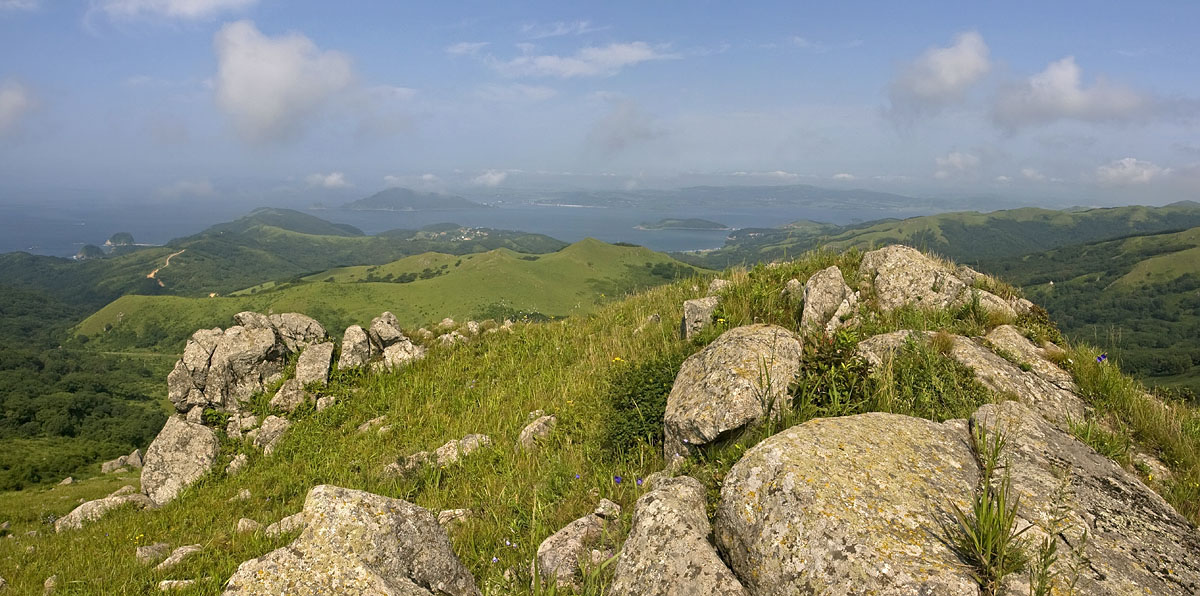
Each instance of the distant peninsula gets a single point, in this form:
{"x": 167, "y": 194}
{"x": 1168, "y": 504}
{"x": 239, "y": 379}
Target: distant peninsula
{"x": 682, "y": 224}
{"x": 406, "y": 199}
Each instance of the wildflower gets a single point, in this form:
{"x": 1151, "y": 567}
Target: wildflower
{"x": 617, "y": 479}
{"x": 639, "y": 481}
{"x": 1102, "y": 357}
{"x": 577, "y": 476}
{"x": 495, "y": 560}
{"x": 618, "y": 359}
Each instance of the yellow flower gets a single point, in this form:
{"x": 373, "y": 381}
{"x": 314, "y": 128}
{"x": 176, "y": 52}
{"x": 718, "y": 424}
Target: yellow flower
{"x": 618, "y": 359}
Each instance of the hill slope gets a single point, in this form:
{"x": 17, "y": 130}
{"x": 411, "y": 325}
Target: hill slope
{"x": 405, "y": 199}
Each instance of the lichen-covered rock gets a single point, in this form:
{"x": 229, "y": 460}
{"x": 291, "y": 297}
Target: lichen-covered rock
{"x": 133, "y": 460}
{"x": 401, "y": 353}
{"x": 449, "y": 517}
{"x": 667, "y": 551}
{"x": 325, "y": 401}
{"x": 384, "y": 331}
{"x": 291, "y": 395}
{"x": 180, "y": 454}
{"x": 179, "y": 555}
{"x": 270, "y": 432}
{"x": 356, "y": 348}
{"x": 1136, "y": 543}
{"x": 697, "y": 314}
{"x": 849, "y": 505}
{"x": 827, "y": 300}
{"x": 94, "y": 510}
{"x": 290, "y": 523}
{"x": 152, "y": 553}
{"x": 236, "y": 464}
{"x": 356, "y": 542}
{"x": 561, "y": 556}
{"x": 729, "y": 385}
{"x": 1010, "y": 339}
{"x": 717, "y": 286}
{"x": 314, "y": 363}
{"x": 297, "y": 331}
{"x": 902, "y": 276}
{"x": 536, "y": 431}
{"x": 247, "y": 526}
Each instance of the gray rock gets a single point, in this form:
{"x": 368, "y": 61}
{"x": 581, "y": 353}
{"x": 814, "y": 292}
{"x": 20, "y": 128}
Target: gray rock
{"x": 449, "y": 339}
{"x": 449, "y": 517}
{"x": 903, "y": 276}
{"x": 66, "y": 481}
{"x": 314, "y": 363}
{"x": 356, "y": 348}
{"x": 607, "y": 510}
{"x": 236, "y": 464}
{"x": 120, "y": 492}
{"x": 291, "y": 395}
{"x": 848, "y": 505}
{"x": 729, "y": 385}
{"x": 372, "y": 423}
{"x": 1010, "y": 339}
{"x": 447, "y": 324}
{"x": 536, "y": 431}
{"x": 401, "y": 353}
{"x": 247, "y": 526}
{"x": 179, "y": 555}
{"x": 298, "y": 331}
{"x": 359, "y": 543}
{"x": 472, "y": 328}
{"x": 113, "y": 465}
{"x": 326, "y": 401}
{"x": 270, "y": 432}
{"x": 290, "y": 523}
{"x": 828, "y": 301}
{"x": 697, "y": 314}
{"x": 180, "y": 454}
{"x": 560, "y": 557}
{"x": 667, "y": 552}
{"x": 50, "y": 585}
{"x": 153, "y": 553}
{"x": 195, "y": 415}
{"x": 384, "y": 331}
{"x": 1137, "y": 543}
{"x": 793, "y": 290}
{"x": 94, "y": 510}
{"x": 717, "y": 286}
{"x": 448, "y": 454}
{"x": 242, "y": 495}
{"x": 134, "y": 459}
{"x": 171, "y": 585}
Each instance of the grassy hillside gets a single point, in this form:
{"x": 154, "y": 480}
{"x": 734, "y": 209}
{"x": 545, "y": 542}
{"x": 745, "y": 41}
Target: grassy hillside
{"x": 603, "y": 375}
{"x": 965, "y": 236}
{"x": 419, "y": 290}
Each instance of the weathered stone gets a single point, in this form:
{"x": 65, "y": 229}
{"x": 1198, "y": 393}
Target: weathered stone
{"x": 849, "y": 505}
{"x": 179, "y": 555}
{"x": 120, "y": 492}
{"x": 171, "y": 585}
{"x": 1136, "y": 543}
{"x": 451, "y": 338}
{"x": 50, "y": 585}
{"x": 359, "y": 543}
{"x": 449, "y": 517}
{"x": 1010, "y": 339}
{"x": 447, "y": 324}
{"x": 66, "y": 481}
{"x": 112, "y": 465}
{"x": 401, "y": 353}
{"x": 536, "y": 431}
{"x": 236, "y": 464}
{"x": 94, "y": 510}
{"x": 180, "y": 454}
{"x": 717, "y": 286}
{"x": 372, "y": 423}
{"x": 291, "y": 395}
{"x": 793, "y": 290}
{"x": 152, "y": 553}
{"x": 195, "y": 415}
{"x": 384, "y": 331}
{"x": 298, "y": 331}
{"x": 737, "y": 380}
{"x": 242, "y": 495}
{"x": 902, "y": 276}
{"x": 697, "y": 314}
{"x": 607, "y": 510}
{"x": 356, "y": 348}
{"x": 560, "y": 557}
{"x": 667, "y": 552}
{"x": 314, "y": 363}
{"x": 448, "y": 454}
{"x": 290, "y": 523}
{"x": 827, "y": 300}
{"x": 472, "y": 328}
{"x": 326, "y": 401}
{"x": 134, "y": 459}
{"x": 270, "y": 432}
{"x": 247, "y": 526}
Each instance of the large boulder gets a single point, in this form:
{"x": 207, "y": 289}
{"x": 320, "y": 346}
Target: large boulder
{"x": 356, "y": 348}
{"x": 181, "y": 453}
{"x": 827, "y": 300}
{"x": 729, "y": 385}
{"x": 314, "y": 363}
{"x": 94, "y": 510}
{"x": 849, "y": 505}
{"x": 356, "y": 542}
{"x": 401, "y": 353}
{"x": 903, "y": 276}
{"x": 697, "y": 314}
{"x": 667, "y": 551}
{"x": 297, "y": 331}
{"x": 1136, "y": 543}
{"x": 384, "y": 331}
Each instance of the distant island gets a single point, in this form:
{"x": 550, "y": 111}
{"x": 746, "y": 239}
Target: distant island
{"x": 682, "y": 224}
{"x": 120, "y": 239}
{"x": 406, "y": 199}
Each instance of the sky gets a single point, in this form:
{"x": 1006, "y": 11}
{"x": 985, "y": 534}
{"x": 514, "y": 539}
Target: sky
{"x": 1089, "y": 102}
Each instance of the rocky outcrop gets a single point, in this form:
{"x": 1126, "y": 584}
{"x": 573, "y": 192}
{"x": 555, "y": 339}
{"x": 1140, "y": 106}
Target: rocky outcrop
{"x": 401, "y": 353}
{"x": 1010, "y": 339}
{"x": 314, "y": 363}
{"x": 584, "y": 542}
{"x": 383, "y": 332}
{"x": 667, "y": 551}
{"x": 94, "y": 510}
{"x": 903, "y": 276}
{"x": 356, "y": 542}
{"x": 270, "y": 433}
{"x": 828, "y": 301}
{"x": 535, "y": 432}
{"x": 449, "y": 453}
{"x": 730, "y": 384}
{"x": 356, "y": 348}
{"x": 180, "y": 454}
{"x": 849, "y": 506}
{"x": 291, "y": 395}
{"x": 697, "y": 314}
{"x": 133, "y": 460}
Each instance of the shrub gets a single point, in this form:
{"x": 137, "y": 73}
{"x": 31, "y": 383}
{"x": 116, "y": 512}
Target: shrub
{"x": 833, "y": 378}
{"x": 638, "y": 394}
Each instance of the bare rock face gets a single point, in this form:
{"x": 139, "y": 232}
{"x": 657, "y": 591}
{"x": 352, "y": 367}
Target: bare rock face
{"x": 1010, "y": 339}
{"x": 730, "y": 384}
{"x": 291, "y": 395}
{"x": 1136, "y": 544}
{"x": 903, "y": 276}
{"x": 94, "y": 510}
{"x": 180, "y": 454}
{"x": 560, "y": 557}
{"x": 697, "y": 314}
{"x": 536, "y": 431}
{"x": 270, "y": 432}
{"x": 356, "y": 542}
{"x": 314, "y": 363}
{"x": 297, "y": 331}
{"x": 290, "y": 523}
{"x": 384, "y": 331}
{"x": 667, "y": 551}
{"x": 849, "y": 505}
{"x": 827, "y": 300}
{"x": 356, "y": 348}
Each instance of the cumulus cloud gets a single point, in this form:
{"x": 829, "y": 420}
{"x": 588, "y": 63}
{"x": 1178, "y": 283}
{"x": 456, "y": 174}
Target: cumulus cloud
{"x": 624, "y": 125}
{"x": 1127, "y": 171}
{"x": 956, "y": 163}
{"x": 187, "y": 188}
{"x": 587, "y": 62}
{"x": 271, "y": 86}
{"x": 938, "y": 78}
{"x": 16, "y": 100}
{"x": 516, "y": 93}
{"x": 466, "y": 48}
{"x": 1058, "y": 93}
{"x": 844, "y": 176}
{"x": 175, "y": 9}
{"x": 490, "y": 178}
{"x": 1003, "y": 179}
{"x": 1032, "y": 174}
{"x": 558, "y": 29}
{"x": 330, "y": 180}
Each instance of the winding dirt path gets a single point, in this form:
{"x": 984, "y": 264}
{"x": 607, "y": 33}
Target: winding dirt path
{"x": 152, "y": 274}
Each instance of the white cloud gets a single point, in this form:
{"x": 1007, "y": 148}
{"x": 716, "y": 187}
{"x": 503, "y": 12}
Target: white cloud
{"x": 1003, "y": 179}
{"x": 587, "y": 62}
{"x": 558, "y": 29}
{"x": 1129, "y": 171}
{"x": 187, "y": 188}
{"x": 1032, "y": 174}
{"x": 956, "y": 163}
{"x": 271, "y": 86}
{"x": 330, "y": 180}
{"x": 16, "y": 100}
{"x": 466, "y": 48}
{"x": 516, "y": 93}
{"x": 19, "y": 4}
{"x": 624, "y": 125}
{"x": 843, "y": 176}
{"x": 176, "y": 9}
{"x": 1058, "y": 93}
{"x": 490, "y": 178}
{"x": 939, "y": 77}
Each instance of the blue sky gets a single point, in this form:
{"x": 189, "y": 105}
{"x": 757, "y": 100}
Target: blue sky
{"x": 1087, "y": 102}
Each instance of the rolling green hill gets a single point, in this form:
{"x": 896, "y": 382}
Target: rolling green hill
{"x": 419, "y": 290}
{"x": 405, "y": 199}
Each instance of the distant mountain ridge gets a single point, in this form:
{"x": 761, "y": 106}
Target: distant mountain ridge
{"x": 406, "y": 199}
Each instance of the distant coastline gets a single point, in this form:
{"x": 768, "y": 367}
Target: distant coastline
{"x": 683, "y": 224}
